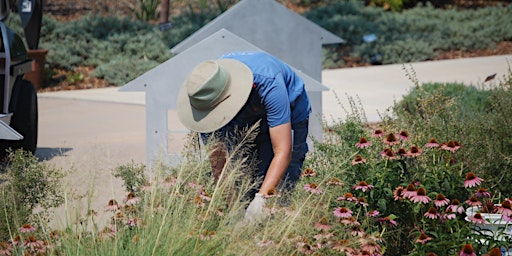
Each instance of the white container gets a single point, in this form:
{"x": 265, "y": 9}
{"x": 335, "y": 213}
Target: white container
{"x": 496, "y": 227}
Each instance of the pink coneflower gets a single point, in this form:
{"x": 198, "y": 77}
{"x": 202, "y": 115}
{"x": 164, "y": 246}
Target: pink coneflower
{"x": 358, "y": 160}
{"x": 335, "y": 181}
{"x": 477, "y": 218}
{"x": 451, "y": 146}
{"x": 27, "y": 228}
{"x": 409, "y": 191}
{"x": 432, "y": 143}
{"x": 207, "y": 235}
{"x": 505, "y": 208}
{"x": 494, "y": 252}
{"x": 348, "y": 197}
{"x": 272, "y": 193}
{"x": 403, "y": 135}
{"x": 401, "y": 152}
{"x": 205, "y": 196}
{"x": 5, "y": 248}
{"x": 388, "y": 154}
{"x": 391, "y": 139}
{"x": 132, "y": 199}
{"x": 112, "y": 206}
{"x": 398, "y": 193}
{"x": 455, "y": 206}
{"x": 370, "y": 246}
{"x": 132, "y": 222}
{"x": 467, "y": 250}
{"x": 323, "y": 224}
{"x": 432, "y": 213}
{"x": 169, "y": 182}
{"x": 388, "y": 220}
{"x": 363, "y": 186}
{"x": 373, "y": 213}
{"x": 313, "y": 188}
{"x": 308, "y": 172}
{"x": 34, "y": 244}
{"x": 362, "y": 201}
{"x": 421, "y": 196}
{"x": 350, "y": 221}
{"x": 264, "y": 243}
{"x": 507, "y": 218}
{"x": 441, "y": 200}
{"x": 472, "y": 180}
{"x": 147, "y": 186}
{"x": 448, "y": 215}
{"x": 377, "y": 133}
{"x": 482, "y": 192}
{"x": 414, "y": 151}
{"x": 363, "y": 143}
{"x": 423, "y": 238}
{"x": 473, "y": 201}
{"x": 342, "y": 212}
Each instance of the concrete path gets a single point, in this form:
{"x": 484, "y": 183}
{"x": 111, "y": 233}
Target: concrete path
{"x": 88, "y": 133}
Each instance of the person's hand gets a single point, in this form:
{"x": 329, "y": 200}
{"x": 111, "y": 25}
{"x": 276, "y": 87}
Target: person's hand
{"x": 254, "y": 212}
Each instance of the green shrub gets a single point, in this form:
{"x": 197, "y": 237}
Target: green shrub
{"x": 477, "y": 117}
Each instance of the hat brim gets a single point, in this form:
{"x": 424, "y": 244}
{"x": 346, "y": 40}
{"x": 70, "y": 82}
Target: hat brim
{"x": 240, "y": 85}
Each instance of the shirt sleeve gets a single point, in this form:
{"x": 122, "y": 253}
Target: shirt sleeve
{"x": 274, "y": 97}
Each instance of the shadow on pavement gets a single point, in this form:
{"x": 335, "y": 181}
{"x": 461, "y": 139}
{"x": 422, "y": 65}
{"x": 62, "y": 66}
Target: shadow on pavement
{"x": 45, "y": 154}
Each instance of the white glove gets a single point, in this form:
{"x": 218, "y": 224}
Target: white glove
{"x": 255, "y": 210}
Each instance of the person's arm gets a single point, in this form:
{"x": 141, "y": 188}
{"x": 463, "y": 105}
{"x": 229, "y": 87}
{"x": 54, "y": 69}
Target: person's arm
{"x": 281, "y": 139}
{"x": 218, "y": 159}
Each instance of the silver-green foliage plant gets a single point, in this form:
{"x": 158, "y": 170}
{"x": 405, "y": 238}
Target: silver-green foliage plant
{"x": 29, "y": 191}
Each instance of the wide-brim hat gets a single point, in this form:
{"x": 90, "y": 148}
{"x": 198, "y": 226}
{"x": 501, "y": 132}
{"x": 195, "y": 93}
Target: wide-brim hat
{"x": 213, "y": 93}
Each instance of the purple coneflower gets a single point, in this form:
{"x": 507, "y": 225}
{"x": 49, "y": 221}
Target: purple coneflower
{"x": 432, "y": 143}
{"x": 363, "y": 186}
{"x": 472, "y": 180}
{"x": 441, "y": 200}
{"x": 404, "y": 135}
{"x": 423, "y": 238}
{"x": 494, "y": 252}
{"x": 455, "y": 206}
{"x": 362, "y": 201}
{"x": 398, "y": 193}
{"x": 388, "y": 220}
{"x": 482, "y": 192}
{"x": 347, "y": 197}
{"x": 421, "y": 196}
{"x": 477, "y": 218}
{"x": 467, "y": 250}
{"x": 358, "y": 160}
{"x": 448, "y": 215}
{"x": 335, "y": 181}
{"x": 350, "y": 221}
{"x": 409, "y": 191}
{"x": 432, "y": 213}
{"x": 5, "y": 248}
{"x": 363, "y": 143}
{"x": 505, "y": 208}
{"x": 451, "y": 146}
{"x": 323, "y": 224}
{"x": 377, "y": 133}
{"x": 473, "y": 201}
{"x": 391, "y": 139}
{"x": 373, "y": 213}
{"x": 414, "y": 152}
{"x": 132, "y": 199}
{"x": 342, "y": 212}
{"x": 112, "y": 206}
{"x": 308, "y": 172}
{"x": 388, "y": 154}
{"x": 34, "y": 244}
{"x": 27, "y": 228}
{"x": 313, "y": 188}
{"x": 401, "y": 152}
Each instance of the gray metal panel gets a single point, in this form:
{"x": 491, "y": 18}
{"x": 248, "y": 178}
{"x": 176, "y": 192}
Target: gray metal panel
{"x": 273, "y": 28}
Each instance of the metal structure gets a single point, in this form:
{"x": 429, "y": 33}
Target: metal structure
{"x": 19, "y": 111}
{"x": 250, "y": 25}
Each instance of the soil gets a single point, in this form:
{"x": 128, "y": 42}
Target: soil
{"x": 65, "y": 10}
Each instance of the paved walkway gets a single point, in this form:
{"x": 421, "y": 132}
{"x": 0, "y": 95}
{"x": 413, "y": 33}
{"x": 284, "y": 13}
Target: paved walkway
{"x": 90, "y": 132}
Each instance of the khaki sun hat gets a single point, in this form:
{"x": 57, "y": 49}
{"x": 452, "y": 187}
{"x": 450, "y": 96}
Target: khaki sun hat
{"x": 213, "y": 93}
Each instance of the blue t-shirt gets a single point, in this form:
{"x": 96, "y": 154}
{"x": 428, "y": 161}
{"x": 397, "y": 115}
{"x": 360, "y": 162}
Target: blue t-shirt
{"x": 278, "y": 94}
